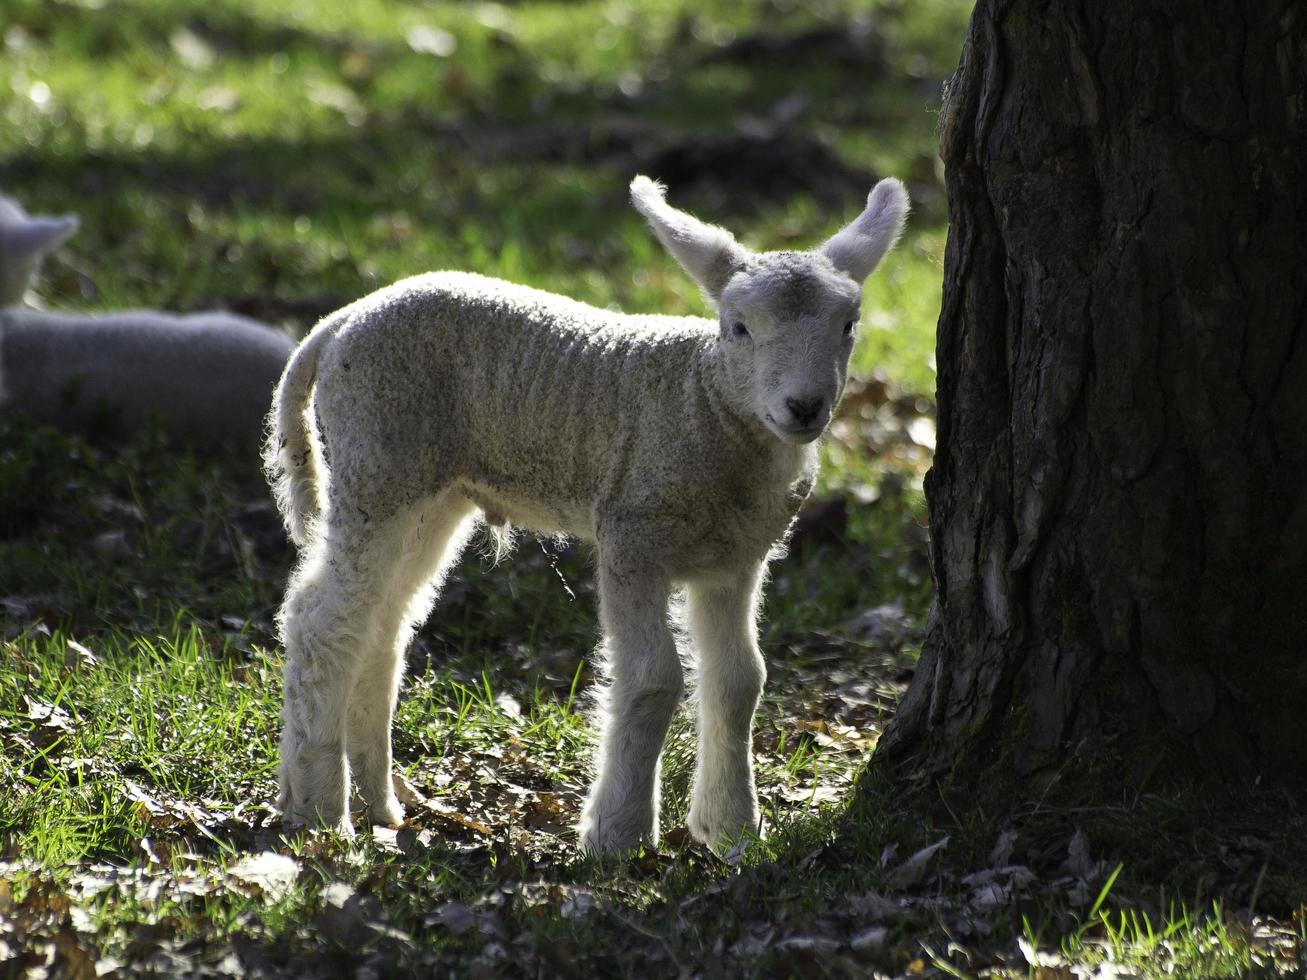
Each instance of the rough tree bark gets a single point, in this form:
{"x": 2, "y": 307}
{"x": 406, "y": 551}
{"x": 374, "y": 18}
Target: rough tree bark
{"x": 1119, "y": 501}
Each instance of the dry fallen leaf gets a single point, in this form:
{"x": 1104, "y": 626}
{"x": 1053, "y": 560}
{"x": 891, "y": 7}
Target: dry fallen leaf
{"x": 77, "y": 657}
{"x": 911, "y": 871}
{"x": 547, "y": 813}
{"x": 461, "y": 821}
{"x": 817, "y": 945}
{"x": 271, "y": 873}
{"x": 810, "y": 795}
{"x": 869, "y": 940}
{"x": 405, "y": 792}
{"x": 1079, "y": 861}
{"x": 50, "y": 716}
{"x": 1002, "y": 852}
{"x": 875, "y": 907}
{"x": 1037, "y": 957}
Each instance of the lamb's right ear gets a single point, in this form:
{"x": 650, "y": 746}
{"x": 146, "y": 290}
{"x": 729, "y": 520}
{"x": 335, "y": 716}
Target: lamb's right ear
{"x": 857, "y": 248}
{"x": 34, "y": 237}
{"x": 711, "y": 255}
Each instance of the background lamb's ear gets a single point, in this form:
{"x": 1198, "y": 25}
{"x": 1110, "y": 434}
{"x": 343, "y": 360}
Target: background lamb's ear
{"x": 34, "y": 237}
{"x": 858, "y": 248}
{"x": 711, "y": 255}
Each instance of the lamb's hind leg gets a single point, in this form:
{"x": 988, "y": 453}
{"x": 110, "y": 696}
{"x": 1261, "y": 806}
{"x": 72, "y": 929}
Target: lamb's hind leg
{"x": 724, "y": 803}
{"x": 646, "y": 685}
{"x": 431, "y": 542}
{"x": 328, "y": 624}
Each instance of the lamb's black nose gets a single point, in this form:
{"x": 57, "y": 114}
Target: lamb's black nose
{"x": 804, "y": 412}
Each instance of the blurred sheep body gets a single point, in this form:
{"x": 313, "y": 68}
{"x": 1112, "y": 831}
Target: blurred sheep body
{"x": 206, "y": 377}
{"x": 682, "y": 447}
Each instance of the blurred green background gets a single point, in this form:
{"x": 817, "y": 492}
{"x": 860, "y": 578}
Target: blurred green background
{"x": 283, "y": 158}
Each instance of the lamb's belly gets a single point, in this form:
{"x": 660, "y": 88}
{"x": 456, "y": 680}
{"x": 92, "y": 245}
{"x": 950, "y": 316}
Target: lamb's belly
{"x": 544, "y": 517}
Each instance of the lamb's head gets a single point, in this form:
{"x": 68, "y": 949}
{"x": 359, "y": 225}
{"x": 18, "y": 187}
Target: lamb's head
{"x": 787, "y": 320}
{"x": 24, "y": 242}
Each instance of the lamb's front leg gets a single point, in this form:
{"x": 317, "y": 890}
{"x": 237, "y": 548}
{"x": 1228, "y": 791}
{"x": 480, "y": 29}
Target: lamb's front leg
{"x": 645, "y": 687}
{"x": 731, "y": 672}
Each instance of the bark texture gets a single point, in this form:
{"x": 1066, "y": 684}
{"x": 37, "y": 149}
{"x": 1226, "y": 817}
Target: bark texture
{"x": 1119, "y": 501}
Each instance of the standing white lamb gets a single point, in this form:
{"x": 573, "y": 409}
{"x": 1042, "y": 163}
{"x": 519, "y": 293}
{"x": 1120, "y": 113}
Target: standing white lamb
{"x": 206, "y": 376}
{"x": 682, "y": 447}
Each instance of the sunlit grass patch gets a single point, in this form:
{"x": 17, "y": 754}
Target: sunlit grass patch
{"x": 91, "y": 729}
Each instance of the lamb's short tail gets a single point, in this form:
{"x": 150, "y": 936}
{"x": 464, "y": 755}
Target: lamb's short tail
{"x": 289, "y": 458}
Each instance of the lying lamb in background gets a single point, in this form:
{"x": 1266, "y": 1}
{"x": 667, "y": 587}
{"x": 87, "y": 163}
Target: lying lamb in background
{"x": 682, "y": 447}
{"x": 207, "y": 376}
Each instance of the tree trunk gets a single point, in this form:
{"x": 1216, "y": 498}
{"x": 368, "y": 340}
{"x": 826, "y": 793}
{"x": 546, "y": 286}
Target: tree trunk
{"x": 1118, "y": 506}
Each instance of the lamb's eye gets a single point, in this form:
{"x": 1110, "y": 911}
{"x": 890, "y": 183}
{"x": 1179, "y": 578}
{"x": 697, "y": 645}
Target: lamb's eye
{"x": 738, "y": 329}
{"x": 849, "y": 327}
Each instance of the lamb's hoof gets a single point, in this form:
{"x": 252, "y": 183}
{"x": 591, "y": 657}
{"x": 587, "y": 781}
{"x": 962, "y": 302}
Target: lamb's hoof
{"x": 610, "y": 845}
{"x": 721, "y": 830}
{"x": 298, "y": 821}
{"x": 613, "y": 838}
{"x": 388, "y": 812}
{"x": 297, "y": 817}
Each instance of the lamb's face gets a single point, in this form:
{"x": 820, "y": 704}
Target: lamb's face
{"x": 787, "y": 318}
{"x": 788, "y": 321}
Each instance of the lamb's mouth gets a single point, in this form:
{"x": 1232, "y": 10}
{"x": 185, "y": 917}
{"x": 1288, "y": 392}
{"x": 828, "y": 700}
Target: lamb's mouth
{"x": 796, "y": 434}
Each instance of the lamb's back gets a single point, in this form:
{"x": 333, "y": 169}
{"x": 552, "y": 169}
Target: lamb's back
{"x": 516, "y": 390}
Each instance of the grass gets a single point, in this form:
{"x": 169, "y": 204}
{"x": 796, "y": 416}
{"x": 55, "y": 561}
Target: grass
{"x": 281, "y": 159}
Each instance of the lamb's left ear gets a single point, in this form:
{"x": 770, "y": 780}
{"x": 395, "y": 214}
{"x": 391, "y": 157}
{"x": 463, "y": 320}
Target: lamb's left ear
{"x": 34, "y": 237}
{"x": 711, "y": 255}
{"x": 857, "y": 248}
